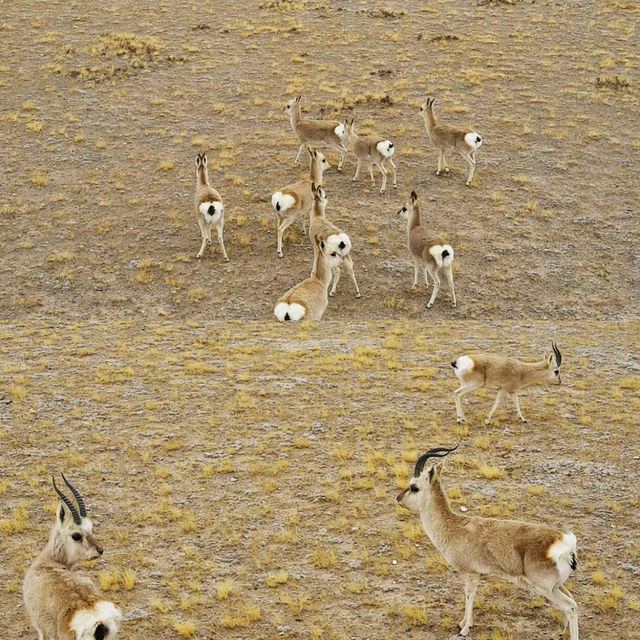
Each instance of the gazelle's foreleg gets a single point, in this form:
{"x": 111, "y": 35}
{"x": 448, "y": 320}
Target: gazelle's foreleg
{"x": 348, "y": 263}
{"x": 471, "y": 581}
{"x": 496, "y": 403}
{"x": 516, "y": 403}
{"x": 449, "y": 273}
{"x": 416, "y": 268}
{"x": 335, "y": 273}
{"x": 436, "y": 288}
{"x": 440, "y": 154}
{"x": 357, "y": 169}
{"x": 373, "y": 182}
{"x": 302, "y": 146}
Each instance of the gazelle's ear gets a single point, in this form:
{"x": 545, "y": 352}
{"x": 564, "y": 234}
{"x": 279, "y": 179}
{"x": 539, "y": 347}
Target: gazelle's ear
{"x": 435, "y": 471}
{"x": 549, "y": 357}
{"x": 204, "y": 159}
{"x": 198, "y": 160}
{"x": 61, "y": 513}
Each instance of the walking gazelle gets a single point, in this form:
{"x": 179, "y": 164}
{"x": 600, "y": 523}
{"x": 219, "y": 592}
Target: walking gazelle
{"x": 209, "y": 207}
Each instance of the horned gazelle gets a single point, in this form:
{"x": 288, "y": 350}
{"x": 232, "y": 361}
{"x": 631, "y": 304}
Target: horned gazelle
{"x": 316, "y": 133}
{"x": 297, "y": 198}
{"x": 427, "y": 250}
{"x": 516, "y": 551}
{"x": 321, "y": 230}
{"x": 465, "y": 141}
{"x": 62, "y": 603}
{"x": 209, "y": 207}
{"x": 508, "y": 375}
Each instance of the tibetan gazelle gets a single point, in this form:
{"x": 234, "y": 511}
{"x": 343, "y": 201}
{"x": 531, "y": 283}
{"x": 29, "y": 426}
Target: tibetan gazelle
{"x": 443, "y": 137}
{"x": 428, "y": 250}
{"x": 209, "y": 207}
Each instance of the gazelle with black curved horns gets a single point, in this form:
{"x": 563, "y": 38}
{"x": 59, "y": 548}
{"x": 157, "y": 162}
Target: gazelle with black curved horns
{"x": 508, "y": 375}
{"x": 316, "y": 133}
{"x": 519, "y": 552}
{"x": 427, "y": 250}
{"x": 209, "y": 208}
{"x": 62, "y": 603}
{"x": 443, "y": 137}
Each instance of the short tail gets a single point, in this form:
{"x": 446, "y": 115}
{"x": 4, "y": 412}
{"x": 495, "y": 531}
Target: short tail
{"x": 386, "y": 148}
{"x": 447, "y": 255}
{"x": 473, "y": 140}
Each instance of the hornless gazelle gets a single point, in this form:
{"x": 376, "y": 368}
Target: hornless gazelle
{"x": 316, "y": 133}
{"x": 63, "y": 604}
{"x": 336, "y": 240}
{"x": 508, "y": 375}
{"x": 209, "y": 207}
{"x": 427, "y": 250}
{"x": 520, "y": 552}
{"x": 465, "y": 141}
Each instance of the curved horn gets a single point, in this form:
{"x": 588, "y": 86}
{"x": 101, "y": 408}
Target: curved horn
{"x": 438, "y": 452}
{"x": 77, "y": 496}
{"x": 72, "y": 509}
{"x": 557, "y": 353}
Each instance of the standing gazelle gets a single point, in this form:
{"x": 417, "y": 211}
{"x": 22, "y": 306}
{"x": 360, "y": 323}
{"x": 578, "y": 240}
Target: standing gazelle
{"x": 209, "y": 207}
{"x": 427, "y": 249}
{"x": 374, "y": 150}
{"x": 316, "y": 133}
{"x": 506, "y": 374}
{"x": 297, "y": 198}
{"x": 321, "y": 230}
{"x": 62, "y": 603}
{"x": 520, "y": 552}
{"x": 465, "y": 141}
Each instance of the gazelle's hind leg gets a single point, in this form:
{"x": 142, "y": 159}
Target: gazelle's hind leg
{"x": 436, "y": 286}
{"x": 373, "y": 182}
{"x": 395, "y": 175}
{"x": 383, "y": 171}
{"x": 219, "y": 229}
{"x": 302, "y": 146}
{"x": 203, "y": 232}
{"x": 348, "y": 263}
{"x": 416, "y": 268}
{"x": 335, "y": 273}
{"x": 565, "y": 602}
{"x": 357, "y": 169}
{"x": 461, "y": 391}
{"x": 426, "y": 277}
{"x": 470, "y": 160}
{"x": 445, "y": 166}
{"x": 516, "y": 403}
{"x": 439, "y": 162}
{"x": 496, "y": 404}
{"x": 449, "y": 273}
{"x": 282, "y": 227}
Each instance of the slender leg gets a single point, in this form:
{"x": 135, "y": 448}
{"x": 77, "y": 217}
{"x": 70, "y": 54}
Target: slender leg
{"x": 472, "y": 166}
{"x": 516, "y": 402}
{"x": 415, "y": 274}
{"x": 373, "y": 182}
{"x": 335, "y": 272}
{"x": 357, "y": 169}
{"x": 498, "y": 400}
{"x": 564, "y": 601}
{"x": 203, "y": 233}
{"x": 348, "y": 263}
{"x": 471, "y": 581}
{"x": 221, "y": 241}
{"x": 436, "y": 288}
{"x": 449, "y": 273}
{"x": 395, "y": 176}
{"x": 426, "y": 277}
{"x": 282, "y": 227}
{"x": 302, "y": 146}
{"x": 444, "y": 163}
{"x": 315, "y": 256}
{"x": 439, "y": 162}
{"x": 383, "y": 171}
{"x": 458, "y": 393}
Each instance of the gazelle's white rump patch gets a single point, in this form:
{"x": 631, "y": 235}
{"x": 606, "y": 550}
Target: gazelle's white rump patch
{"x": 473, "y": 140}
{"x": 448, "y": 259}
{"x": 84, "y": 621}
{"x": 464, "y": 364}
{"x": 386, "y": 148}
{"x": 436, "y": 253}
{"x": 282, "y": 201}
{"x": 205, "y": 210}
{"x": 339, "y": 242}
{"x": 563, "y": 552}
{"x": 285, "y": 311}
{"x": 340, "y": 130}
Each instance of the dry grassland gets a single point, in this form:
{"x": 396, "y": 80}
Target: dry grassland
{"x": 241, "y": 474}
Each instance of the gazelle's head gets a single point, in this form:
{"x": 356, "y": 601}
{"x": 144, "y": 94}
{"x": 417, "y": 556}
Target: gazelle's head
{"x": 553, "y": 361}
{"x": 427, "y": 105}
{"x": 201, "y": 163}
{"x": 331, "y": 254}
{"x": 319, "y": 195}
{"x": 71, "y": 536}
{"x": 417, "y": 495}
{"x": 293, "y": 105}
{"x": 319, "y": 161}
{"x": 408, "y": 206}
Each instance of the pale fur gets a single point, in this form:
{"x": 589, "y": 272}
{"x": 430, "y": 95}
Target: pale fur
{"x": 427, "y": 250}
{"x": 374, "y": 150}
{"x": 315, "y": 133}
{"x": 310, "y": 294}
{"x": 508, "y": 375}
{"x": 519, "y": 552}
{"x": 206, "y": 198}
{"x": 297, "y": 198}
{"x": 464, "y": 141}
{"x": 337, "y": 241}
{"x": 62, "y": 602}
